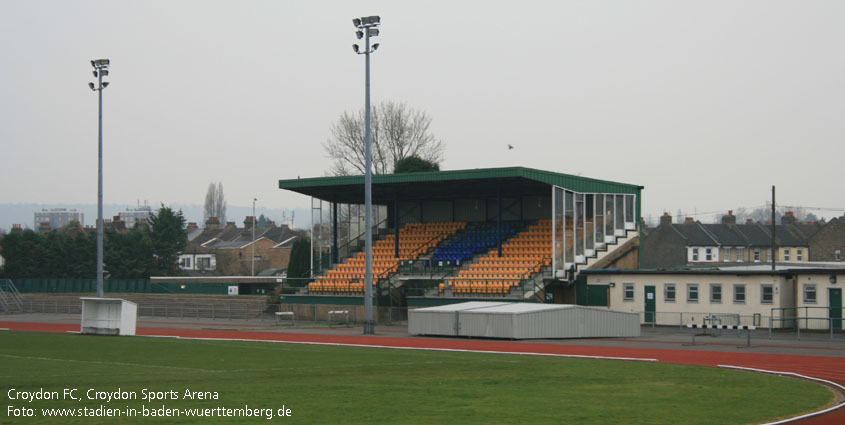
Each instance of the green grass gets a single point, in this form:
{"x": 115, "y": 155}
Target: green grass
{"x": 323, "y": 384}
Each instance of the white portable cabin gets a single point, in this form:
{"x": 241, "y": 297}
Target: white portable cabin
{"x": 522, "y": 321}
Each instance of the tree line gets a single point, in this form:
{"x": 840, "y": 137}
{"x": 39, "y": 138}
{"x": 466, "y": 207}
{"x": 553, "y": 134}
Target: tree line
{"x": 71, "y": 252}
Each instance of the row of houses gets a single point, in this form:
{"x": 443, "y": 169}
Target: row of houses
{"x": 694, "y": 243}
{"x": 228, "y": 250}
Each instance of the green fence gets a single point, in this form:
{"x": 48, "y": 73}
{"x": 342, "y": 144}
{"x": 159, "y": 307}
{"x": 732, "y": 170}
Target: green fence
{"x": 118, "y": 286}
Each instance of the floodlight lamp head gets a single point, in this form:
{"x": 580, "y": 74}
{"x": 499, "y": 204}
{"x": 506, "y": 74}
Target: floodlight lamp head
{"x": 355, "y": 48}
{"x": 375, "y": 47}
{"x": 100, "y": 63}
{"x": 104, "y": 72}
{"x": 91, "y": 85}
{"x": 105, "y": 84}
{"x": 356, "y": 22}
{"x": 359, "y": 34}
{"x": 94, "y": 72}
{"x": 372, "y": 32}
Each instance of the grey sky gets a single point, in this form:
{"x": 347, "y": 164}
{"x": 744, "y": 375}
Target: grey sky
{"x": 706, "y": 104}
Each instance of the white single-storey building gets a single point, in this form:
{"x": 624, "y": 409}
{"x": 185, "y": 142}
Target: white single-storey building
{"x": 745, "y": 295}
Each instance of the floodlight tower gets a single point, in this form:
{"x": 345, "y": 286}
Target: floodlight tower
{"x": 367, "y": 27}
{"x": 101, "y": 69}
{"x": 253, "y": 235}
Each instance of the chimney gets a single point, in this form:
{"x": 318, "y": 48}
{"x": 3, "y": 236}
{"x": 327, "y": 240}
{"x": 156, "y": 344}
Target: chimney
{"x": 689, "y": 220}
{"x": 248, "y": 222}
{"x": 212, "y": 223}
{"x": 749, "y": 221}
{"x": 118, "y": 224}
{"x": 730, "y": 218}
{"x": 141, "y": 223}
{"x": 230, "y": 225}
{"x": 192, "y": 226}
{"x": 788, "y": 218}
{"x": 16, "y": 228}
{"x": 666, "y": 219}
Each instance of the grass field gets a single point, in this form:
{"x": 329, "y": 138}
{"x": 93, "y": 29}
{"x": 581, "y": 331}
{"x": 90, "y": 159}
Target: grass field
{"x": 326, "y": 384}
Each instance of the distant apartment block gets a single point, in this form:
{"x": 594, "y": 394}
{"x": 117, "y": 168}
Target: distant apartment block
{"x": 131, "y": 217}
{"x": 56, "y": 218}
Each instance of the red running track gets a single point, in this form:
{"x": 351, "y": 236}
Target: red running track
{"x": 828, "y": 368}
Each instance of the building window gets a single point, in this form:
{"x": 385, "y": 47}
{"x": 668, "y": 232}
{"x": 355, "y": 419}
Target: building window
{"x": 740, "y": 255}
{"x": 767, "y": 294}
{"x": 769, "y": 255}
{"x": 757, "y": 254}
{"x": 708, "y": 254}
{"x": 628, "y": 291}
{"x": 799, "y": 255}
{"x": 837, "y": 255}
{"x": 692, "y": 292}
{"x": 669, "y": 292}
{"x": 726, "y": 254}
{"x": 204, "y": 263}
{"x": 715, "y": 292}
{"x": 739, "y": 294}
{"x": 810, "y": 294}
{"x": 695, "y": 254}
{"x": 786, "y": 254}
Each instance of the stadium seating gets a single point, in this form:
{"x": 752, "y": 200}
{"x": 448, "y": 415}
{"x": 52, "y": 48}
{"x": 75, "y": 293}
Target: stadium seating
{"x": 522, "y": 256}
{"x": 415, "y": 239}
{"x": 475, "y": 240}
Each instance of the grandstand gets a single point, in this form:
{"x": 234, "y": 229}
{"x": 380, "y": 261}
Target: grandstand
{"x": 516, "y": 234}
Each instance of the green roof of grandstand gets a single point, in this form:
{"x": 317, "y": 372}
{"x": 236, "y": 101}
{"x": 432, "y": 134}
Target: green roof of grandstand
{"x": 484, "y": 182}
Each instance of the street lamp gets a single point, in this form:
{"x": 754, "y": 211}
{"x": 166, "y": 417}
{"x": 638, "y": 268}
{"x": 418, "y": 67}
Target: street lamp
{"x": 253, "y": 235}
{"x": 101, "y": 69}
{"x": 367, "y": 27}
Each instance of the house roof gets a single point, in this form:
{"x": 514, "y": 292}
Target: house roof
{"x": 695, "y": 234}
{"x": 756, "y": 234}
{"x": 726, "y": 234}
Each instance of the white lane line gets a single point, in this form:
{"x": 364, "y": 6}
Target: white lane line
{"x": 455, "y": 350}
{"x": 794, "y": 375}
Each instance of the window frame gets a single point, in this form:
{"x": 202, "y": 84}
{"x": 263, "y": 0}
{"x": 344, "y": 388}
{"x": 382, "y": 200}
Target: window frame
{"x": 799, "y": 254}
{"x": 708, "y": 254}
{"x": 690, "y": 288}
{"x": 771, "y": 290}
{"x": 810, "y": 288}
{"x": 740, "y": 254}
{"x": 786, "y": 254}
{"x": 713, "y": 293}
{"x": 726, "y": 254}
{"x": 674, "y": 290}
{"x": 740, "y": 294}
{"x": 756, "y": 255}
{"x": 625, "y": 289}
{"x": 695, "y": 254}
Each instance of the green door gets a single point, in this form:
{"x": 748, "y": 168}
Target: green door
{"x": 650, "y": 304}
{"x": 835, "y": 297}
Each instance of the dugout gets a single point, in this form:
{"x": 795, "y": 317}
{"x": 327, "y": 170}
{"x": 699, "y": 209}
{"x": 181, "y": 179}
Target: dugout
{"x": 494, "y": 195}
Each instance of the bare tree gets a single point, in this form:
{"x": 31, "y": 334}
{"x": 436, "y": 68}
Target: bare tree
{"x": 215, "y": 203}
{"x": 397, "y": 133}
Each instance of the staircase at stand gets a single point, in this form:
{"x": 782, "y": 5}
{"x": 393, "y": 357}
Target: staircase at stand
{"x": 610, "y": 245}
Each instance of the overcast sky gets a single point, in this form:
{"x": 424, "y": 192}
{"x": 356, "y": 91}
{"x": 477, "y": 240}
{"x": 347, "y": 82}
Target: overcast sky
{"x": 707, "y": 104}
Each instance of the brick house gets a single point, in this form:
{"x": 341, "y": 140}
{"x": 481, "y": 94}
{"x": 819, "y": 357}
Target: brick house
{"x": 828, "y": 243}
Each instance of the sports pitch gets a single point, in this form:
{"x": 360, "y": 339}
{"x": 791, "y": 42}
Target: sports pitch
{"x": 163, "y": 380}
